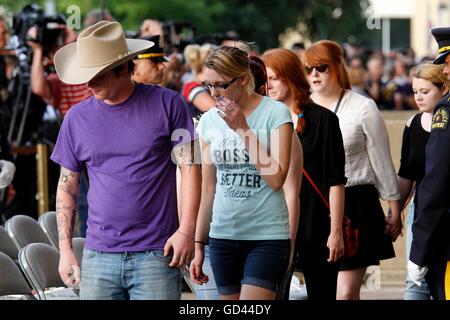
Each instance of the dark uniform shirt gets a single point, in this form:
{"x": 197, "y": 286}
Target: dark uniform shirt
{"x": 431, "y": 229}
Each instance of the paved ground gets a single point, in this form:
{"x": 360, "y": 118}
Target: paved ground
{"x": 386, "y": 293}
{"x": 371, "y": 290}
{"x": 383, "y": 293}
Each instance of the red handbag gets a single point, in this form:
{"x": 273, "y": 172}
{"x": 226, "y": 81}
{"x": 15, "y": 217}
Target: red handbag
{"x": 350, "y": 234}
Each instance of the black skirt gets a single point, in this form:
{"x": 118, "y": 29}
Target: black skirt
{"x": 362, "y": 206}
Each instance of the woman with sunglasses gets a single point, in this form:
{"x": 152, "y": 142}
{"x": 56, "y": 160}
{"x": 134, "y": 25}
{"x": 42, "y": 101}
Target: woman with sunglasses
{"x": 320, "y": 243}
{"x": 246, "y": 143}
{"x": 368, "y": 164}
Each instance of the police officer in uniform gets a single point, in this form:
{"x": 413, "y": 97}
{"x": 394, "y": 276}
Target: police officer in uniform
{"x": 149, "y": 65}
{"x": 430, "y": 249}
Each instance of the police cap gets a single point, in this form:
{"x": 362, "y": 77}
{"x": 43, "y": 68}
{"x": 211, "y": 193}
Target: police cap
{"x": 442, "y": 36}
{"x": 155, "y": 53}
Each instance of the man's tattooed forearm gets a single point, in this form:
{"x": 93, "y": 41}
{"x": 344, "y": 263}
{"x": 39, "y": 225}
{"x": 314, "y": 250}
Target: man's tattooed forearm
{"x": 63, "y": 228}
{"x": 65, "y": 217}
{"x": 67, "y": 190}
{"x": 66, "y": 209}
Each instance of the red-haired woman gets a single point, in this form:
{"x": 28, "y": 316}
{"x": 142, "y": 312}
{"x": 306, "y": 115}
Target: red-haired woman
{"x": 368, "y": 164}
{"x": 319, "y": 238}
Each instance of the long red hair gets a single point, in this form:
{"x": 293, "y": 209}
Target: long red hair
{"x": 288, "y": 67}
{"x": 330, "y": 53}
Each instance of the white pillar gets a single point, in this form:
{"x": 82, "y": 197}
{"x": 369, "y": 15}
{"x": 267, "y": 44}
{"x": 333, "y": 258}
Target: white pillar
{"x": 386, "y": 35}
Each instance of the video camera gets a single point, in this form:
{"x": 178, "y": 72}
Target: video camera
{"x": 24, "y": 122}
{"x": 49, "y": 31}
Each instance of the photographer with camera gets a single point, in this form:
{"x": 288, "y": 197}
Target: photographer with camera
{"x": 5, "y": 71}
{"x": 7, "y": 167}
{"x": 46, "y": 84}
{"x": 61, "y": 96}
{"x": 7, "y": 171}
{"x": 3, "y": 40}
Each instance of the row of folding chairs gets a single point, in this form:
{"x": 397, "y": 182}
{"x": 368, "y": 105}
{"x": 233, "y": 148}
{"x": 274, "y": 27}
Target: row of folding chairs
{"x": 29, "y": 259}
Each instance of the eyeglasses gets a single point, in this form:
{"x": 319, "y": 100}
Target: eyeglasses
{"x": 218, "y": 86}
{"x": 321, "y": 68}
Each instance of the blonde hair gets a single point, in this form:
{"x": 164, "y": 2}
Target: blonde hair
{"x": 244, "y": 46}
{"x": 232, "y": 62}
{"x": 195, "y": 55}
{"x": 431, "y": 72}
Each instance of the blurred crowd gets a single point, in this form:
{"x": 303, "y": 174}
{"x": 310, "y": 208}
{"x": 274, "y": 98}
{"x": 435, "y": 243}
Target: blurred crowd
{"x": 344, "y": 146}
{"x": 173, "y": 62}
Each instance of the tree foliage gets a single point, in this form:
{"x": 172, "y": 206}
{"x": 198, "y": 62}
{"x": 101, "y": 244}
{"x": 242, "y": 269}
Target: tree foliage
{"x": 337, "y": 20}
{"x": 260, "y": 21}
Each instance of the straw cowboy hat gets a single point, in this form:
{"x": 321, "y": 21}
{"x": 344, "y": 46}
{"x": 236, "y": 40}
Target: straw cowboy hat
{"x": 98, "y": 49}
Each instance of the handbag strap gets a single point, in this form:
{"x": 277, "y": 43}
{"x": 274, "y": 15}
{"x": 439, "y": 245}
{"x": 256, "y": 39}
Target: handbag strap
{"x": 316, "y": 188}
{"x": 339, "y": 101}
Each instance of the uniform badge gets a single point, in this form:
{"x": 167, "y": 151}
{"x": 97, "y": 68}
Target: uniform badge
{"x": 440, "y": 120}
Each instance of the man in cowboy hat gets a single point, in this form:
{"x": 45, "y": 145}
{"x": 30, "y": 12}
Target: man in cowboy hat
{"x": 149, "y": 65}
{"x": 122, "y": 135}
{"x": 430, "y": 249}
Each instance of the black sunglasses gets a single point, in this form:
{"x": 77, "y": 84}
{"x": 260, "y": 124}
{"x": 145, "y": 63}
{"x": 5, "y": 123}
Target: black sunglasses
{"x": 218, "y": 86}
{"x": 321, "y": 68}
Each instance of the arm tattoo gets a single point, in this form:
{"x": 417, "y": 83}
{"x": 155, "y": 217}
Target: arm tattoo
{"x": 65, "y": 183}
{"x": 185, "y": 155}
{"x": 66, "y": 210}
{"x": 65, "y": 216}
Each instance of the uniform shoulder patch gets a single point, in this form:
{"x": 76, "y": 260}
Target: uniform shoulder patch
{"x": 440, "y": 120}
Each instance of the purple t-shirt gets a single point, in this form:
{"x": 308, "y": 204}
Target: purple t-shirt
{"x": 126, "y": 149}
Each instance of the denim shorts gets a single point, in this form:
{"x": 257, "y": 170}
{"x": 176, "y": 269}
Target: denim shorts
{"x": 128, "y": 276}
{"x": 260, "y": 263}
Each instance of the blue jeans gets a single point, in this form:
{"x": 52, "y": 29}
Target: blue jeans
{"x": 128, "y": 276}
{"x": 413, "y": 291}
